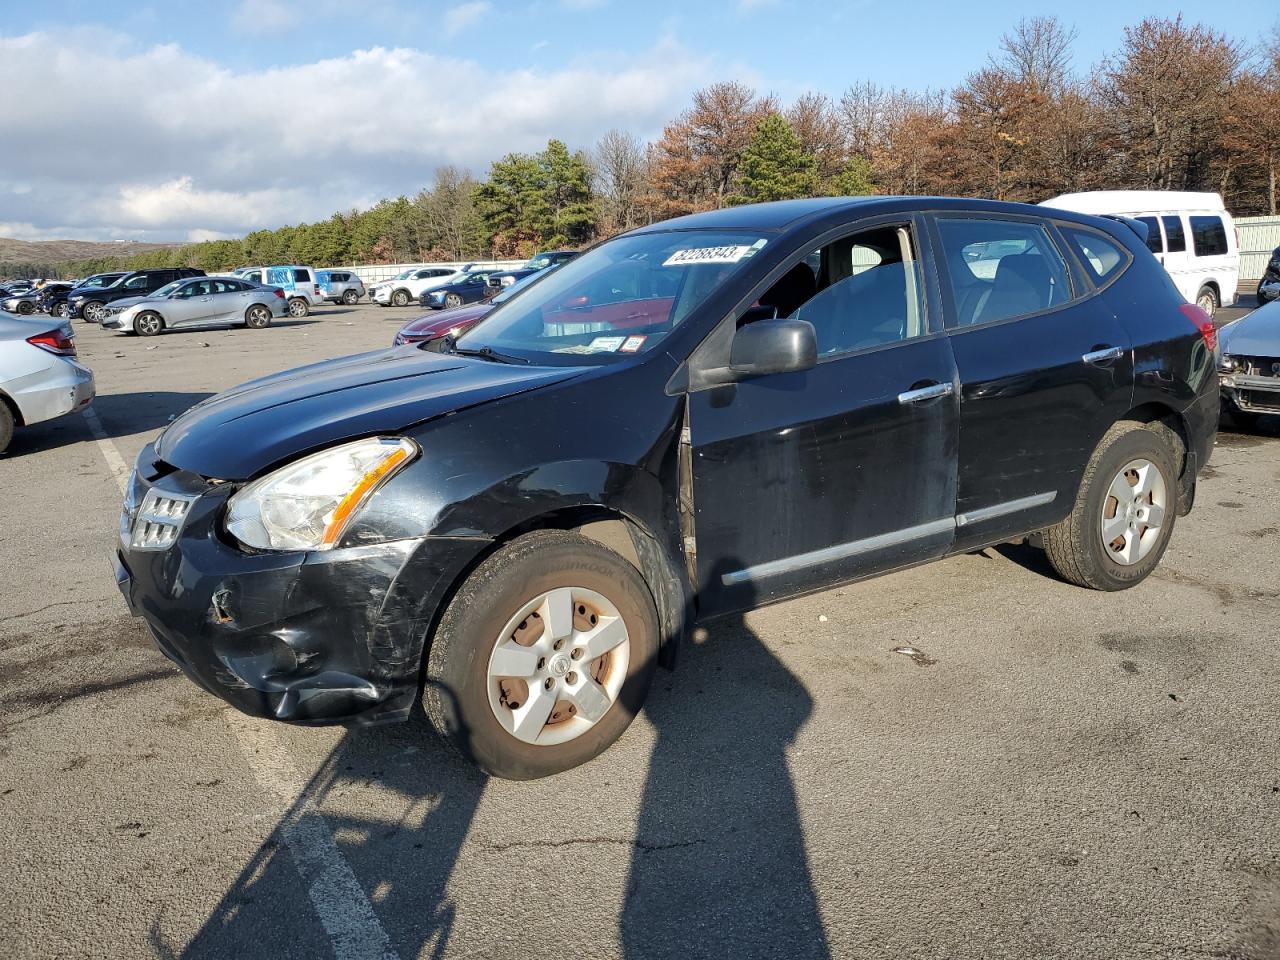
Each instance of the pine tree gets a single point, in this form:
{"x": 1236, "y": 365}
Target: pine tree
{"x": 775, "y": 166}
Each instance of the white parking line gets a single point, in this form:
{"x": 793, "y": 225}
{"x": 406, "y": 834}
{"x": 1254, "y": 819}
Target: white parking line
{"x": 339, "y": 901}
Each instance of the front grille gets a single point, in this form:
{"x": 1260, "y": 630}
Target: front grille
{"x": 155, "y": 524}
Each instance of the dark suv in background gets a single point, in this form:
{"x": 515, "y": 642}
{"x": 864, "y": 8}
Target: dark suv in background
{"x": 88, "y": 302}
{"x": 690, "y": 420}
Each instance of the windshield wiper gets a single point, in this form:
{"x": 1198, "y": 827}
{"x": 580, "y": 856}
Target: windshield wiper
{"x": 486, "y": 353}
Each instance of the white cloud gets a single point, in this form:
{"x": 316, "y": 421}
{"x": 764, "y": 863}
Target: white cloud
{"x": 464, "y": 15}
{"x": 211, "y": 148}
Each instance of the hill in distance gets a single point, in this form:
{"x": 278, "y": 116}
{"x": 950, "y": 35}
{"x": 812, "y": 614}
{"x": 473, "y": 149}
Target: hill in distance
{"x": 54, "y": 251}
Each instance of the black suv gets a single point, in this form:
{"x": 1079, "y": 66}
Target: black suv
{"x": 1269, "y": 285}
{"x": 88, "y": 302}
{"x": 689, "y": 420}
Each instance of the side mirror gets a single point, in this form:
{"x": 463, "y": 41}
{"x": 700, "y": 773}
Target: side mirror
{"x": 773, "y": 346}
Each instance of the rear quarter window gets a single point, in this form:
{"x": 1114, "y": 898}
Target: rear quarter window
{"x": 1154, "y": 243}
{"x": 1208, "y": 236}
{"x": 1102, "y": 256}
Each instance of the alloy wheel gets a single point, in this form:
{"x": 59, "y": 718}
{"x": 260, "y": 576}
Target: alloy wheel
{"x": 93, "y": 312}
{"x": 1133, "y": 512}
{"x": 558, "y": 666}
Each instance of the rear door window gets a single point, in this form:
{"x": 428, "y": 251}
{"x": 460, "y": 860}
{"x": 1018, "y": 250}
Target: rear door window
{"x": 301, "y": 276}
{"x": 1175, "y": 238}
{"x": 1001, "y": 269}
{"x": 1101, "y": 255}
{"x": 1154, "y": 242}
{"x": 1208, "y": 236}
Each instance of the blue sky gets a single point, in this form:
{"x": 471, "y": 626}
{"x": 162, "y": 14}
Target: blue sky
{"x": 252, "y": 113}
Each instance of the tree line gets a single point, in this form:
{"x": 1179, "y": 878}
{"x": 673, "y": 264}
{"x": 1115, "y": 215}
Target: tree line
{"x": 1177, "y": 106}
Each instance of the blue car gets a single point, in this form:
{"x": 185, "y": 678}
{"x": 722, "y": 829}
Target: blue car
{"x": 468, "y": 288}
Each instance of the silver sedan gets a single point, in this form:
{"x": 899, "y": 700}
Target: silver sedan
{"x": 197, "y": 302}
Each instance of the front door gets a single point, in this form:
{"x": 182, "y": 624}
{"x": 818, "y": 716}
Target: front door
{"x": 191, "y": 305}
{"x": 805, "y": 479}
{"x": 1045, "y": 368}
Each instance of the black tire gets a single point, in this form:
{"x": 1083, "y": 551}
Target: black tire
{"x": 350, "y": 297}
{"x": 90, "y": 311}
{"x": 148, "y": 324}
{"x": 58, "y": 310}
{"x": 26, "y": 308}
{"x": 1207, "y": 300}
{"x": 6, "y": 426}
{"x": 400, "y": 298}
{"x": 1075, "y": 546}
{"x": 452, "y": 301}
{"x": 456, "y": 692}
{"x": 299, "y": 308}
{"x": 257, "y": 317}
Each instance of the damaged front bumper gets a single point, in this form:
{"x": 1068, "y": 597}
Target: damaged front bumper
{"x": 317, "y": 637}
{"x": 1252, "y": 392}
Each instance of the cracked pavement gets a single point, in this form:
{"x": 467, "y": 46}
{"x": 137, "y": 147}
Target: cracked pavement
{"x": 1070, "y": 774}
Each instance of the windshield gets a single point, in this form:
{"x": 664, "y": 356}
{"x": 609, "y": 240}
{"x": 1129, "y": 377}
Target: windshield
{"x": 521, "y": 284}
{"x": 405, "y": 274}
{"x": 168, "y": 288}
{"x": 622, "y": 298}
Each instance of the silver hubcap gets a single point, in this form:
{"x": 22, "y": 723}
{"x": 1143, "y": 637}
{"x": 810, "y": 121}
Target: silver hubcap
{"x": 93, "y": 312}
{"x": 1206, "y": 304}
{"x": 258, "y": 317}
{"x": 149, "y": 324}
{"x": 297, "y": 309}
{"x": 558, "y": 666}
{"x": 1133, "y": 512}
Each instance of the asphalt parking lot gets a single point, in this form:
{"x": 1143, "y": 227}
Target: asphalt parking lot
{"x": 1060, "y": 773}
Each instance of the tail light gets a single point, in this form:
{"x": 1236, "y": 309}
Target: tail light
{"x": 55, "y": 341}
{"x": 278, "y": 292}
{"x": 316, "y": 287}
{"x": 1203, "y": 322}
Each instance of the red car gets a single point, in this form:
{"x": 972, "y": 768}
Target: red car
{"x": 458, "y": 320}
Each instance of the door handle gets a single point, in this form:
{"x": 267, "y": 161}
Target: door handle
{"x": 931, "y": 392}
{"x": 205, "y": 299}
{"x": 1103, "y": 355}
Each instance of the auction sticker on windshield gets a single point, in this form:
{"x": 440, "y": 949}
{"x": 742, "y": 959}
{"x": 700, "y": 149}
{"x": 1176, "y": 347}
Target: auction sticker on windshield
{"x": 731, "y": 254}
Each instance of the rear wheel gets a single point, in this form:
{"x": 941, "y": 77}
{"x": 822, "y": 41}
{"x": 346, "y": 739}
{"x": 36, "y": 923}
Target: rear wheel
{"x": 543, "y": 657}
{"x": 400, "y": 298}
{"x": 349, "y": 297}
{"x": 1124, "y": 512}
{"x": 147, "y": 324}
{"x": 93, "y": 311}
{"x": 6, "y": 426}
{"x": 299, "y": 308}
{"x": 257, "y": 317}
{"x": 1207, "y": 300}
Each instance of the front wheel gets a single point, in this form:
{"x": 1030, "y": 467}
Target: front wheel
{"x": 350, "y": 297}
{"x": 257, "y": 317}
{"x": 58, "y": 310}
{"x": 93, "y": 312}
{"x": 400, "y": 298}
{"x": 299, "y": 308}
{"x": 147, "y": 324}
{"x": 1207, "y": 300}
{"x": 453, "y": 301}
{"x": 1123, "y": 515}
{"x": 543, "y": 657}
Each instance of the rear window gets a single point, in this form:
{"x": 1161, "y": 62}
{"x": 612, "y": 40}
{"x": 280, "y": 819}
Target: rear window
{"x": 1154, "y": 243}
{"x": 1209, "y": 236}
{"x": 1176, "y": 239}
{"x": 1103, "y": 256}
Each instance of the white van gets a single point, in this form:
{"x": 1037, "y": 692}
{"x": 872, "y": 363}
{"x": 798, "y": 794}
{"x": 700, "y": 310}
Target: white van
{"x": 1190, "y": 233}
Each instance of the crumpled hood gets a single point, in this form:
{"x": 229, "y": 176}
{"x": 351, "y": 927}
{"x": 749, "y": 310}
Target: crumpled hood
{"x": 1257, "y": 335}
{"x": 239, "y": 433}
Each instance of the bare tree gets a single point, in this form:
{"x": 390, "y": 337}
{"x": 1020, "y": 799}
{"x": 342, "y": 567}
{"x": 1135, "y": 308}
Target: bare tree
{"x": 620, "y": 170}
{"x": 1037, "y": 52}
{"x": 814, "y": 121}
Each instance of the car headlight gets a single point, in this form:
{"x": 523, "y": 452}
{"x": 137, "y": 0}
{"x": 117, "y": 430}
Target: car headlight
{"x": 308, "y": 504}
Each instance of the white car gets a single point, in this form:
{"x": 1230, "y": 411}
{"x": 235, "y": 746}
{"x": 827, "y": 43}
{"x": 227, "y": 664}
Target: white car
{"x": 1191, "y": 234}
{"x": 408, "y": 286}
{"x": 39, "y": 376}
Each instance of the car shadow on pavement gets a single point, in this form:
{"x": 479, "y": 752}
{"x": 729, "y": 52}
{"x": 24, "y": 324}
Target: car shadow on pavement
{"x": 717, "y": 867}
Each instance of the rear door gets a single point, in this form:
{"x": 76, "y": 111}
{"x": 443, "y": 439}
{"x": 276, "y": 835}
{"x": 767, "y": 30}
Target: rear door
{"x": 1045, "y": 368}
{"x": 1215, "y": 259}
{"x": 805, "y": 479}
